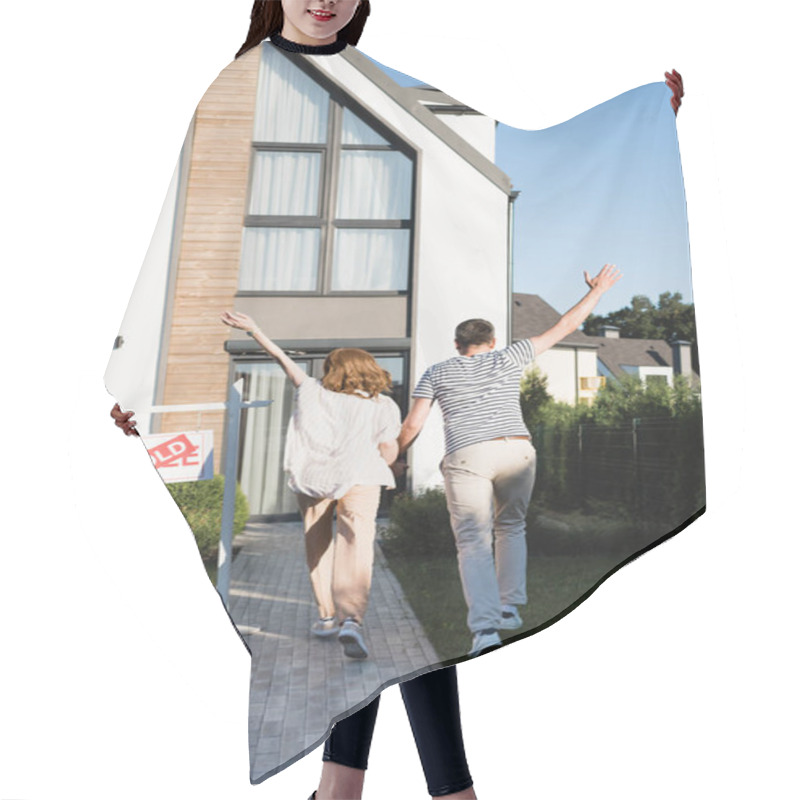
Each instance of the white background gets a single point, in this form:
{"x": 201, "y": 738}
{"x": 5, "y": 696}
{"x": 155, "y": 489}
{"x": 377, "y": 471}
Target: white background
{"x": 121, "y": 675}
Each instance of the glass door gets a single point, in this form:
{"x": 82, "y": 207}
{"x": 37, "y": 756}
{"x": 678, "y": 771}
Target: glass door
{"x": 263, "y": 434}
{"x": 263, "y": 438}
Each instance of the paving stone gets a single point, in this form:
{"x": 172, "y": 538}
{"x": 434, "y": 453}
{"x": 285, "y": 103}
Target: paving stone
{"x": 297, "y": 678}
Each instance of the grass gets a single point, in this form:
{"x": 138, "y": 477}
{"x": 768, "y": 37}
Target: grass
{"x": 563, "y": 564}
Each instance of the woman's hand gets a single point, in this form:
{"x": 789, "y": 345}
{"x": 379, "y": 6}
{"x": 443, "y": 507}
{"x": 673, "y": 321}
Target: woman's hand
{"x": 236, "y": 319}
{"x": 604, "y": 279}
{"x": 389, "y": 451}
{"x": 124, "y": 420}
{"x": 675, "y": 82}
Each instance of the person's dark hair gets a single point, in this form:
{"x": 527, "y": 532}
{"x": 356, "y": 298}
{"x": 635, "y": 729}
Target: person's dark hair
{"x": 474, "y": 331}
{"x": 266, "y": 19}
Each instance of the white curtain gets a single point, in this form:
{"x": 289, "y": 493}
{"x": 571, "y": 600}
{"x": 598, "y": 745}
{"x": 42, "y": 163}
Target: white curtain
{"x": 370, "y": 260}
{"x": 291, "y": 107}
{"x": 285, "y": 184}
{"x": 279, "y": 259}
{"x": 262, "y": 477}
{"x": 356, "y": 131}
{"x": 374, "y": 185}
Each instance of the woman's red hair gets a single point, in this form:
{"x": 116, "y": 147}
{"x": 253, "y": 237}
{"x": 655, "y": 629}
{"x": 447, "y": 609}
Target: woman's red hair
{"x": 352, "y": 371}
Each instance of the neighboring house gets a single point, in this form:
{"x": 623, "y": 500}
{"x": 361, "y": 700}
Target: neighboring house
{"x": 338, "y": 209}
{"x": 570, "y": 366}
{"x": 579, "y": 366}
{"x": 651, "y": 360}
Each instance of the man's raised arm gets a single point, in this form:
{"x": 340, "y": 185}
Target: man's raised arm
{"x": 576, "y": 316}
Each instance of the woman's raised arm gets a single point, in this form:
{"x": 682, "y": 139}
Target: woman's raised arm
{"x": 235, "y": 319}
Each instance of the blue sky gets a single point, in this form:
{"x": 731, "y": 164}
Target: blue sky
{"x": 603, "y": 187}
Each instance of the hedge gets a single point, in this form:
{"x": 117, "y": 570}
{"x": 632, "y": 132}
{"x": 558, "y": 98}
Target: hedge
{"x": 200, "y": 503}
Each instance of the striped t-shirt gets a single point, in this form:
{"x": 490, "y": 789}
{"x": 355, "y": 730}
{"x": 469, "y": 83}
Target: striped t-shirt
{"x": 479, "y": 395}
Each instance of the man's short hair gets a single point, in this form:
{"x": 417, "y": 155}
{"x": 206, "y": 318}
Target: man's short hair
{"x": 474, "y": 331}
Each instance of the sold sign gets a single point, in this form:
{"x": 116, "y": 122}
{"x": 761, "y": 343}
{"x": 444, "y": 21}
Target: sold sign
{"x": 184, "y": 456}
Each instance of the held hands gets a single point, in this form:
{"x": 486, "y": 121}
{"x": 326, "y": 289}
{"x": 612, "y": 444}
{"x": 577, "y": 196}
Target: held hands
{"x": 675, "y": 82}
{"x": 236, "y": 319}
{"x": 399, "y": 467}
{"x": 604, "y": 279}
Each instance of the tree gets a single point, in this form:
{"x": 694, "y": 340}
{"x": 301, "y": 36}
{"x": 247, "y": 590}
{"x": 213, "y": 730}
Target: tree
{"x": 534, "y": 397}
{"x": 619, "y": 402}
{"x": 671, "y": 319}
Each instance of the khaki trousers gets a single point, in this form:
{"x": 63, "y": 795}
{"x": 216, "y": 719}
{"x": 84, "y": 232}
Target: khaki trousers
{"x": 340, "y": 563}
{"x": 488, "y": 487}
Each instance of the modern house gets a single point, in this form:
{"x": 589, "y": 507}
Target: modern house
{"x": 580, "y": 365}
{"x": 338, "y": 209}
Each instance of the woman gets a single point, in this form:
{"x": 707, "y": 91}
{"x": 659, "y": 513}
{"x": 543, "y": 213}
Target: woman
{"x": 324, "y": 27}
{"x": 342, "y": 439}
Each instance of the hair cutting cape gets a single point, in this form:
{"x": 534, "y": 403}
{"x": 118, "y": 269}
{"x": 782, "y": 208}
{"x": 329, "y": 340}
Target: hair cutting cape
{"x": 343, "y": 204}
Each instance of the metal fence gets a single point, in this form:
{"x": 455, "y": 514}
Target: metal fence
{"x": 646, "y": 469}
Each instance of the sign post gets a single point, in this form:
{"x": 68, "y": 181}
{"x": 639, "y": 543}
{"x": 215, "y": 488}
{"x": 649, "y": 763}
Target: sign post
{"x": 233, "y": 415}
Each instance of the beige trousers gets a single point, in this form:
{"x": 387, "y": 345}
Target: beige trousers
{"x": 488, "y": 487}
{"x": 340, "y": 562}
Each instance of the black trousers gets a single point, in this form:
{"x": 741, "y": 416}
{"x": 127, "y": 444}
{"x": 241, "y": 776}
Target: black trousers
{"x": 432, "y": 705}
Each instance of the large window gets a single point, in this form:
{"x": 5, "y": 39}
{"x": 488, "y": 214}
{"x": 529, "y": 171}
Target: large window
{"x": 330, "y": 201}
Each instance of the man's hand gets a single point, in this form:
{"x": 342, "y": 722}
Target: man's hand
{"x": 399, "y": 468}
{"x": 576, "y": 316}
{"x": 675, "y": 83}
{"x": 604, "y": 279}
{"x": 124, "y": 420}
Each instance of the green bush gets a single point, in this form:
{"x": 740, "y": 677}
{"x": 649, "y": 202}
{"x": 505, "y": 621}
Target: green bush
{"x": 620, "y": 401}
{"x": 419, "y": 525}
{"x": 638, "y": 447}
{"x": 201, "y": 503}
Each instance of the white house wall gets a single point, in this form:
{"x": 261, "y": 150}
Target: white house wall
{"x": 587, "y": 368}
{"x": 478, "y": 130}
{"x": 132, "y": 370}
{"x": 558, "y": 364}
{"x": 462, "y": 273}
{"x": 645, "y": 372}
{"x": 563, "y": 368}
{"x": 462, "y": 250}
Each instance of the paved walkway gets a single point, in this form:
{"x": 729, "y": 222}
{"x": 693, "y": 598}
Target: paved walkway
{"x": 299, "y": 683}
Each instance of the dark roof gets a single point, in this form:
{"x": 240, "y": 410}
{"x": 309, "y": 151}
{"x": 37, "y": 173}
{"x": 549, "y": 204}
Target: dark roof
{"x": 409, "y": 99}
{"x": 614, "y": 353}
{"x": 531, "y": 316}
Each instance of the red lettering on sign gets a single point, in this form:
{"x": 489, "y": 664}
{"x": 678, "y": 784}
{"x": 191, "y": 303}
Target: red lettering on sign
{"x": 177, "y": 452}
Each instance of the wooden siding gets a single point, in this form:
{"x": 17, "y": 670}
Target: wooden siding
{"x": 211, "y": 236}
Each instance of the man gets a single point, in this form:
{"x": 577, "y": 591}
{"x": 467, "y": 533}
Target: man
{"x": 490, "y": 464}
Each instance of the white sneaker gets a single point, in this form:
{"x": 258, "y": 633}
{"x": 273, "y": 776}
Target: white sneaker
{"x": 352, "y": 638}
{"x": 510, "y": 621}
{"x": 325, "y": 627}
{"x": 484, "y": 642}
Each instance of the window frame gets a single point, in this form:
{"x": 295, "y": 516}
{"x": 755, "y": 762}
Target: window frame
{"x": 324, "y": 220}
